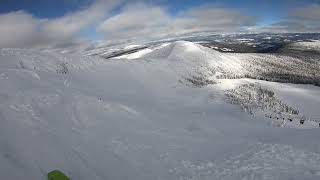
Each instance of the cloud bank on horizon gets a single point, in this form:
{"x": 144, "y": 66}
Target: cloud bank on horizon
{"x": 123, "y": 21}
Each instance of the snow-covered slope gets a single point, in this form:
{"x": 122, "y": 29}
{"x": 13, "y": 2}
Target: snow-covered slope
{"x": 306, "y": 46}
{"x": 145, "y": 119}
{"x": 135, "y": 55}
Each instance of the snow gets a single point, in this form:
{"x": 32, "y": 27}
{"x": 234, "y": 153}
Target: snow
{"x": 314, "y": 45}
{"x": 301, "y": 97}
{"x": 245, "y": 40}
{"x": 131, "y": 46}
{"x": 268, "y": 38}
{"x": 226, "y": 50}
{"x": 124, "y": 119}
{"x": 135, "y": 55}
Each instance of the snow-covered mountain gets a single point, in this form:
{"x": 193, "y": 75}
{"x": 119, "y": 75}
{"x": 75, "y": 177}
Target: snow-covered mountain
{"x": 175, "y": 111}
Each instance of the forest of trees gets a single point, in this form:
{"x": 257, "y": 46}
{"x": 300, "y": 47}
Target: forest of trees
{"x": 254, "y": 99}
{"x": 277, "y": 68}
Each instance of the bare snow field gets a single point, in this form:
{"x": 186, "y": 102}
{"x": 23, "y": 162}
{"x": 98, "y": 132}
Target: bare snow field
{"x": 164, "y": 115}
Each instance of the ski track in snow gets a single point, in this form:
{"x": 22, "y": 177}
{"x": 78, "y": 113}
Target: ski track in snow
{"x": 122, "y": 119}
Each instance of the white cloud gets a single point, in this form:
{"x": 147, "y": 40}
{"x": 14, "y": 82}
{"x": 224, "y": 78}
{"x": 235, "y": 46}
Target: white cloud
{"x": 303, "y": 19}
{"x": 309, "y": 13}
{"x": 138, "y": 21}
{"x": 135, "y": 21}
{"x": 213, "y": 19}
{"x": 17, "y": 28}
{"x": 74, "y": 22}
{"x": 149, "y": 22}
{"x": 21, "y": 29}
{"x": 135, "y": 17}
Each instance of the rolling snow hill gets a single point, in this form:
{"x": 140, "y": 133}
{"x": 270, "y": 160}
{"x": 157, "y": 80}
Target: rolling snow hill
{"x": 176, "y": 112}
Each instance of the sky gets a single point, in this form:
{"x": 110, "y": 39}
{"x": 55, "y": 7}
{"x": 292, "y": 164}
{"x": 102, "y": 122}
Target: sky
{"x": 65, "y": 23}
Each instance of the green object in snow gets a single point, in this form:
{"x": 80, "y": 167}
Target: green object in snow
{"x": 57, "y": 175}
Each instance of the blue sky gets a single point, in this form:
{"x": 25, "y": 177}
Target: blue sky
{"x": 55, "y": 22}
{"x": 266, "y": 10}
{"x": 43, "y": 8}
